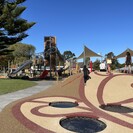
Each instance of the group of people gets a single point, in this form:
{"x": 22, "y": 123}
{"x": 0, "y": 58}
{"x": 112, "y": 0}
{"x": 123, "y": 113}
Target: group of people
{"x": 128, "y": 62}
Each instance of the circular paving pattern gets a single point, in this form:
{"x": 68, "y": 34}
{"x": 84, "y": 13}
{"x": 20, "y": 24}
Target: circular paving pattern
{"x": 117, "y": 108}
{"x": 82, "y": 124}
{"x": 63, "y": 104}
{"x": 80, "y": 113}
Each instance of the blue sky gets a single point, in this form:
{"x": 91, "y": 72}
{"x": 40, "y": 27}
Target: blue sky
{"x": 102, "y": 25}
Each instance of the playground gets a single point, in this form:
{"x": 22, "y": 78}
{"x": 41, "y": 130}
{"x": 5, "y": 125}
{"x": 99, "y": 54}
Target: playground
{"x": 66, "y": 106}
{"x": 49, "y": 64}
{"x": 103, "y": 104}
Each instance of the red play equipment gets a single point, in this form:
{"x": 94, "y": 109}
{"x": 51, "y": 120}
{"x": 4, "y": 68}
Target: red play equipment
{"x": 90, "y": 66}
{"x": 44, "y": 74}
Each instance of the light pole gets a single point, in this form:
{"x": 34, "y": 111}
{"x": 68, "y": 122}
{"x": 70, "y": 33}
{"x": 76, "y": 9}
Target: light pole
{"x": 101, "y": 56}
{"x": 50, "y": 59}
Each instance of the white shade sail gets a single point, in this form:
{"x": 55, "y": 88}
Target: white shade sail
{"x": 88, "y": 53}
{"x": 123, "y": 54}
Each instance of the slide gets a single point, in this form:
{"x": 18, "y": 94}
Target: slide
{"x": 22, "y": 67}
{"x": 44, "y": 74}
{"x": 67, "y": 65}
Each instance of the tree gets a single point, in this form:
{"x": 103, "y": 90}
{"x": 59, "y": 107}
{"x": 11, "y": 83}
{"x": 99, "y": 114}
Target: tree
{"x": 115, "y": 64}
{"x": 68, "y": 55}
{"x": 110, "y": 55}
{"x": 12, "y": 26}
{"x": 3, "y": 61}
{"x": 22, "y": 52}
{"x": 96, "y": 65}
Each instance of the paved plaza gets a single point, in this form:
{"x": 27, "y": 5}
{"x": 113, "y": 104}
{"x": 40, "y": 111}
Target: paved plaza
{"x": 105, "y": 98}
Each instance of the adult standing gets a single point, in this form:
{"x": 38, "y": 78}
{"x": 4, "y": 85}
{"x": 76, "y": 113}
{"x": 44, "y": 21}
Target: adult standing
{"x": 109, "y": 62}
{"x": 128, "y": 62}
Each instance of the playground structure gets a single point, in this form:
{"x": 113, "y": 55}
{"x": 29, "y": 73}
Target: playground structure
{"x": 38, "y": 70}
{"x": 49, "y": 63}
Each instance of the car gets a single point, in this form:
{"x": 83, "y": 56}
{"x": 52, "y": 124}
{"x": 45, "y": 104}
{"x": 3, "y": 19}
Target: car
{"x": 103, "y": 66}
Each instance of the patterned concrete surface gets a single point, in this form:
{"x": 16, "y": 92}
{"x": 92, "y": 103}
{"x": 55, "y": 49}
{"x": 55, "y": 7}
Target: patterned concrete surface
{"x": 34, "y": 114}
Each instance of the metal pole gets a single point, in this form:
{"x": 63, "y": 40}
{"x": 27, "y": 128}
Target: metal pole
{"x": 50, "y": 60}
{"x": 56, "y": 69}
{"x": 84, "y": 54}
{"x": 56, "y": 58}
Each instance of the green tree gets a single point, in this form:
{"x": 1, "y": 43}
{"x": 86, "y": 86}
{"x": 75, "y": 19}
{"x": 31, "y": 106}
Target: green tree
{"x": 22, "y": 52}
{"x": 12, "y": 26}
{"x": 68, "y": 55}
{"x": 96, "y": 65}
{"x": 5, "y": 61}
{"x": 115, "y": 64}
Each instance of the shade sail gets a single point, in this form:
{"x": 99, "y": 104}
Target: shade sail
{"x": 88, "y": 53}
{"x": 123, "y": 54}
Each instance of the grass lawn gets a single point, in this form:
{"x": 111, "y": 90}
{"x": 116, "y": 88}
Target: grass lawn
{"x": 11, "y": 85}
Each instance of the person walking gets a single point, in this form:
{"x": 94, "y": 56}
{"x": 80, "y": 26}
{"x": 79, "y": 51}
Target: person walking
{"x": 86, "y": 73}
{"x": 128, "y": 63}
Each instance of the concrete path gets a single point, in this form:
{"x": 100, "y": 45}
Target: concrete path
{"x": 10, "y": 97}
